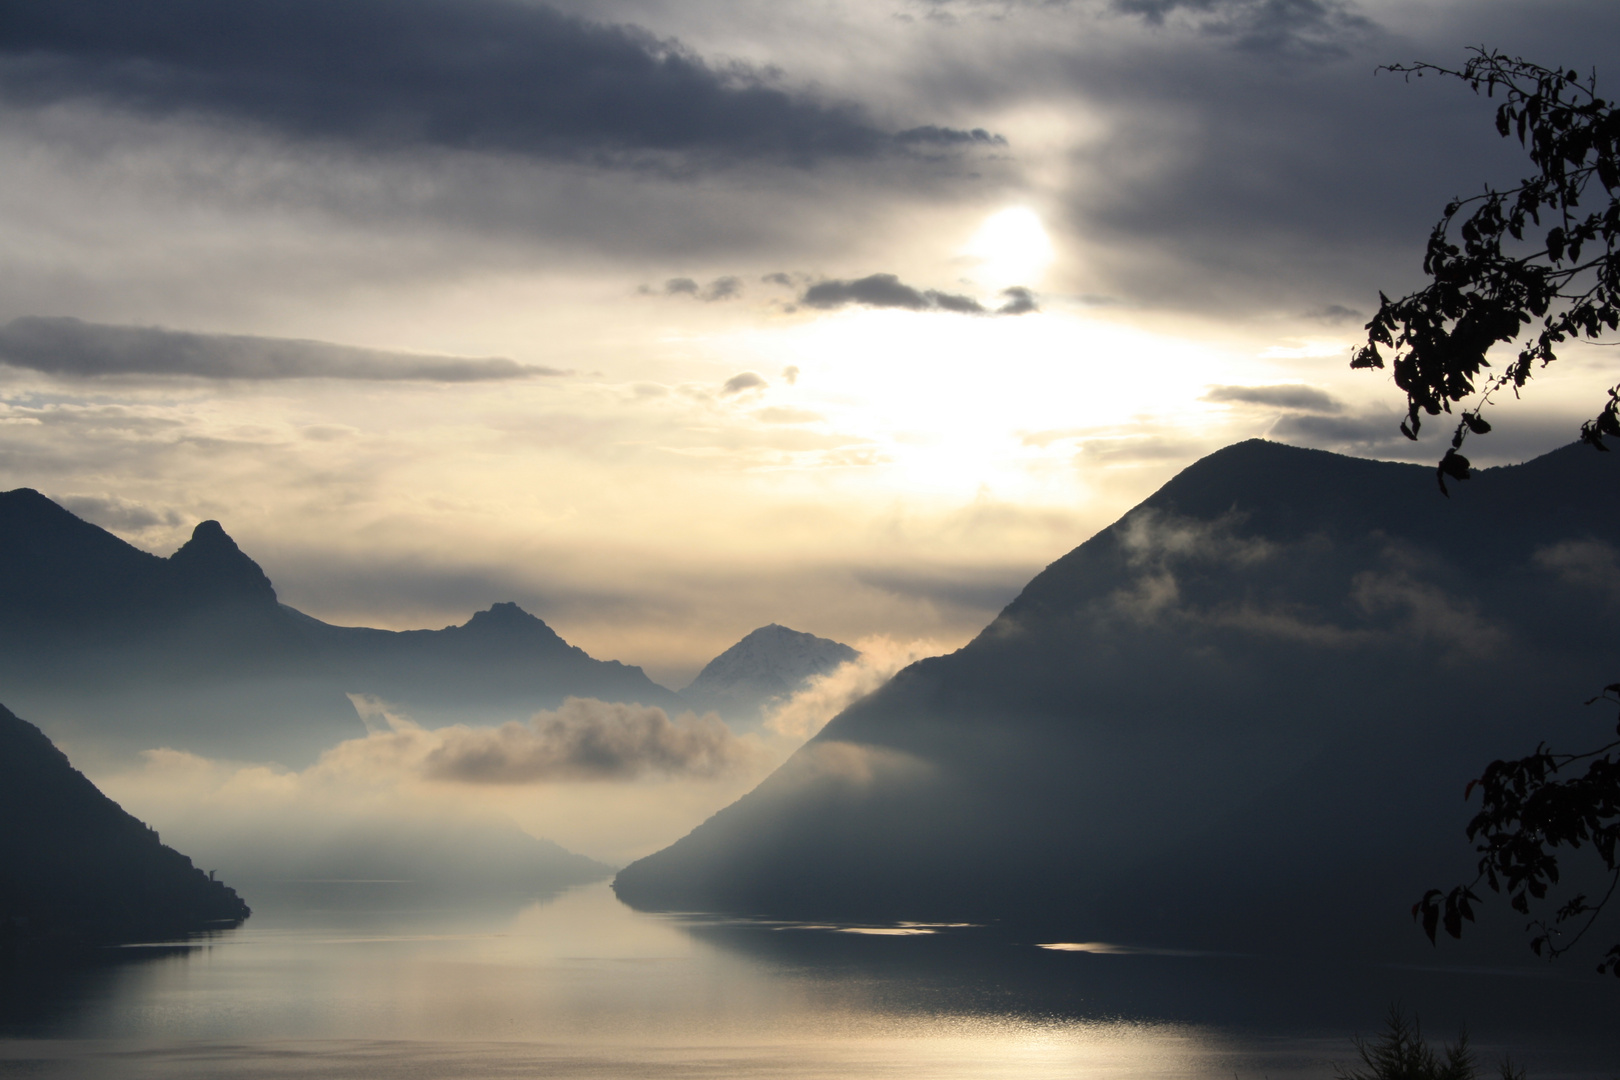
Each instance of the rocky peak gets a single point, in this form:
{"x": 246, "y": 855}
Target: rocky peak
{"x": 210, "y": 564}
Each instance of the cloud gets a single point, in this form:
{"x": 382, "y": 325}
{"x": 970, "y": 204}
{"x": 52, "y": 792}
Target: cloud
{"x": 1364, "y": 431}
{"x": 1020, "y": 301}
{"x": 931, "y": 135}
{"x": 1585, "y": 564}
{"x": 888, "y": 291}
{"x": 613, "y": 781}
{"x": 790, "y": 374}
{"x": 747, "y": 380}
{"x": 723, "y": 288}
{"x": 980, "y": 589}
{"x": 584, "y": 739}
{"x": 488, "y": 76}
{"x": 118, "y": 514}
{"x": 1308, "y": 28}
{"x": 1336, "y": 315}
{"x": 64, "y": 346}
{"x": 1296, "y": 397}
{"x": 1431, "y": 614}
{"x": 587, "y": 739}
{"x": 680, "y": 286}
{"x": 826, "y": 695}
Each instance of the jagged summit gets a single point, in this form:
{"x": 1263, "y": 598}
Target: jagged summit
{"x": 767, "y": 664}
{"x": 506, "y": 619}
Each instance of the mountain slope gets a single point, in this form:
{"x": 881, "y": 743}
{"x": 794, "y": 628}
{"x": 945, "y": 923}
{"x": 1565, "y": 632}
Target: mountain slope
{"x": 1241, "y": 714}
{"x": 766, "y": 665}
{"x": 75, "y": 868}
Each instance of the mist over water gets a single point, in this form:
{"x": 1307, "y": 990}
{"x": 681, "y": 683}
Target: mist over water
{"x": 370, "y": 980}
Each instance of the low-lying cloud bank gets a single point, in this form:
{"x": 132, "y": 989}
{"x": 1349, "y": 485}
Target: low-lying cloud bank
{"x": 585, "y": 739}
{"x": 65, "y": 346}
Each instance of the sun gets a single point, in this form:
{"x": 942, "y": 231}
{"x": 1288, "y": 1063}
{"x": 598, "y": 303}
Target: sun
{"x": 1010, "y": 248}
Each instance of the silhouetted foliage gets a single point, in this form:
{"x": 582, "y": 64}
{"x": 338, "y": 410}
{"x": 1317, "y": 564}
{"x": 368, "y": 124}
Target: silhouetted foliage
{"x": 1401, "y": 1054}
{"x": 1504, "y": 275}
{"x": 1497, "y": 266}
{"x": 1532, "y": 807}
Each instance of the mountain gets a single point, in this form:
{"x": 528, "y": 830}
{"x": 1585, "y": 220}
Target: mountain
{"x": 765, "y": 666}
{"x": 102, "y": 641}
{"x": 502, "y": 664}
{"x": 1240, "y": 717}
{"x": 75, "y": 869}
{"x": 120, "y": 650}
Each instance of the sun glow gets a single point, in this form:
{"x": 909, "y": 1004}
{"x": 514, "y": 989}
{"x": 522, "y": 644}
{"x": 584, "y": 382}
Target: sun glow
{"x": 1010, "y": 248}
{"x": 948, "y": 406}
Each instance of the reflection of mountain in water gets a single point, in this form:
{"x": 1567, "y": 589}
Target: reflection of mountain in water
{"x": 1240, "y": 717}
{"x": 76, "y": 870}
{"x": 994, "y": 971}
{"x": 766, "y": 666}
{"x": 116, "y": 648}
{"x": 427, "y": 860}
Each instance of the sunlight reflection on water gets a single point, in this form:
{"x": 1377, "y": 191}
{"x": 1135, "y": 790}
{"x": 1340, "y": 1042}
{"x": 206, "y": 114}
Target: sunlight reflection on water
{"x": 582, "y": 986}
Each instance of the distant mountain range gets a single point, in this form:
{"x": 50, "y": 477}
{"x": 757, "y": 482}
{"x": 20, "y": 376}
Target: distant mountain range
{"x": 76, "y": 870}
{"x": 122, "y": 650}
{"x": 764, "y": 668}
{"x": 1241, "y": 717}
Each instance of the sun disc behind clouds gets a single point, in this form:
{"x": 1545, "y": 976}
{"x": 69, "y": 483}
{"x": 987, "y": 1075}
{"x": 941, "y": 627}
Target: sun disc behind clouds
{"x": 1011, "y": 248}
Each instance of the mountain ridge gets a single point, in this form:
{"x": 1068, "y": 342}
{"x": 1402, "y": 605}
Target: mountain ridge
{"x": 109, "y": 645}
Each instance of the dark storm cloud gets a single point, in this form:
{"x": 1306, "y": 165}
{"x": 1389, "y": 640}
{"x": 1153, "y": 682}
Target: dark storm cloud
{"x": 482, "y": 75}
{"x": 1298, "y": 398}
{"x": 1310, "y": 27}
{"x": 61, "y": 346}
{"x": 1236, "y": 183}
{"x": 931, "y": 135}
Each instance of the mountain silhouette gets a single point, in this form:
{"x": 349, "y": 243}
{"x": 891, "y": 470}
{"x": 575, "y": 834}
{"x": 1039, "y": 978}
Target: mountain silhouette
{"x": 767, "y": 665}
{"x": 111, "y": 645}
{"x": 502, "y": 664}
{"x": 1240, "y": 717}
{"x": 119, "y": 650}
{"x": 76, "y": 870}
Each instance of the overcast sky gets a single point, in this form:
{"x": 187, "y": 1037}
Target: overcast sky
{"x": 669, "y": 320}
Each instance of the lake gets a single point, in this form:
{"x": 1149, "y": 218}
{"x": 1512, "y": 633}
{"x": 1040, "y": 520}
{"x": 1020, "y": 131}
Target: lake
{"x": 360, "y": 981}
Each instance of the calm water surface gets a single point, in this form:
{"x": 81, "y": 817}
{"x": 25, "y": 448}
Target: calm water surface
{"x": 357, "y": 981}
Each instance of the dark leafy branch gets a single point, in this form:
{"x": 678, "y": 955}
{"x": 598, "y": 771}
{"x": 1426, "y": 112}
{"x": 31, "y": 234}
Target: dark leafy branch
{"x": 1534, "y": 808}
{"x": 1499, "y": 262}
